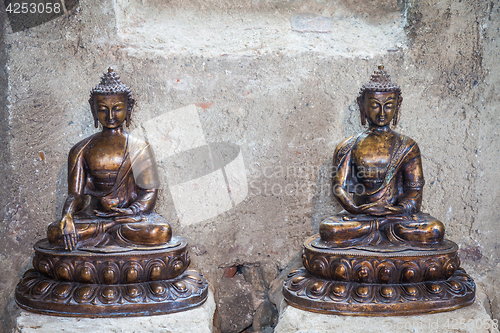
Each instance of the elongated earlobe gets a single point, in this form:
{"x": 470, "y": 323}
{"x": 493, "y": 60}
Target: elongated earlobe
{"x": 398, "y": 108}
{"x": 363, "y": 117}
{"x": 362, "y": 111}
{"x": 96, "y": 121}
{"x": 130, "y": 106}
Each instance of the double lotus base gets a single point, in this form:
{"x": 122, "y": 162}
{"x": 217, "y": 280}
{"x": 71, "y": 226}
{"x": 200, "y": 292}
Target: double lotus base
{"x": 316, "y": 294}
{"x": 377, "y": 282}
{"x": 134, "y": 283}
{"x": 37, "y": 293}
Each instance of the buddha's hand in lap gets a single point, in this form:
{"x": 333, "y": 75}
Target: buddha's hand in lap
{"x": 378, "y": 209}
{"x": 120, "y": 215}
{"x": 128, "y": 219}
{"x": 363, "y": 209}
{"x": 68, "y": 231}
{"x": 115, "y": 212}
{"x": 385, "y": 210}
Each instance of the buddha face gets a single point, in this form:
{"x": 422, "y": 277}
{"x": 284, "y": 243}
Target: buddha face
{"x": 111, "y": 110}
{"x": 380, "y": 107}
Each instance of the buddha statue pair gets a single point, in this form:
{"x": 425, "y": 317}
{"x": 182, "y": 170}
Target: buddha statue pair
{"x": 112, "y": 255}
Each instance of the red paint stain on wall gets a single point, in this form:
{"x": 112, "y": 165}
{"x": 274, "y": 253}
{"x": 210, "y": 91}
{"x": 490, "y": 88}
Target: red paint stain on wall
{"x": 204, "y": 106}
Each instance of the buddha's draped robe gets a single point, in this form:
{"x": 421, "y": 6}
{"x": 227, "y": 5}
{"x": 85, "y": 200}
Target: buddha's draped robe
{"x": 401, "y": 186}
{"x": 134, "y": 185}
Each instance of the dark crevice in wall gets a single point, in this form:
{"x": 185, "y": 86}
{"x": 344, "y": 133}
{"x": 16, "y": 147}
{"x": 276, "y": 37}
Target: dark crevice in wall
{"x": 243, "y": 304}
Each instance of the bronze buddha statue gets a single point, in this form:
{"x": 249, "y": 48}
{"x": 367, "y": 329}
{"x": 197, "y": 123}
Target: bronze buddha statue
{"x": 111, "y": 255}
{"x": 381, "y": 255}
{"x": 383, "y": 170}
{"x": 118, "y": 171}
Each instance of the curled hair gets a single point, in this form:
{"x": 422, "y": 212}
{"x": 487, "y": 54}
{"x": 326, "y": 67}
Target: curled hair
{"x": 111, "y": 85}
{"x": 380, "y": 82}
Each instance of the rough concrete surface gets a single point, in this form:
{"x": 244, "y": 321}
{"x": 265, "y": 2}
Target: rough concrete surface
{"x": 274, "y": 82}
{"x": 471, "y": 319}
{"x": 199, "y": 319}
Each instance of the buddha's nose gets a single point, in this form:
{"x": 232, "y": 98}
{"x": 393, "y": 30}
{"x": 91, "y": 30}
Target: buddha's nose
{"x": 110, "y": 114}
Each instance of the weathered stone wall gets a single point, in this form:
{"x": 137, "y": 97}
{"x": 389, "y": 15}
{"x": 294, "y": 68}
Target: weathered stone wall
{"x": 276, "y": 79}
{"x": 7, "y": 279}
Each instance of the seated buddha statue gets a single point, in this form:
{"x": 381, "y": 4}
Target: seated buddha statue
{"x": 378, "y": 179}
{"x": 381, "y": 256}
{"x": 112, "y": 182}
{"x": 111, "y": 255}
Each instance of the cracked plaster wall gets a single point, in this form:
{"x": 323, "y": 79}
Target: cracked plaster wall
{"x": 285, "y": 97}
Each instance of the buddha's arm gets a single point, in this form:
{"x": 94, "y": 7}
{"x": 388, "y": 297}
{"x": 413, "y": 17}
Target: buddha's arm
{"x": 342, "y": 169}
{"x": 145, "y": 202}
{"x": 76, "y": 183}
{"x": 413, "y": 182}
{"x": 340, "y": 191}
{"x": 75, "y": 200}
{"x": 146, "y": 184}
{"x": 146, "y": 179}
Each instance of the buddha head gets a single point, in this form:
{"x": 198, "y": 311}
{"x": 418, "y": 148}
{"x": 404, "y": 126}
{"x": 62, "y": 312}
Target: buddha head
{"x": 111, "y": 97}
{"x": 380, "y": 99}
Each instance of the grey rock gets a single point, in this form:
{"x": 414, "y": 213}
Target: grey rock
{"x": 235, "y": 304}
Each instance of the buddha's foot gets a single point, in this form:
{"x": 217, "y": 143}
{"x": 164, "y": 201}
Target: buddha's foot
{"x": 303, "y": 290}
{"x": 39, "y": 293}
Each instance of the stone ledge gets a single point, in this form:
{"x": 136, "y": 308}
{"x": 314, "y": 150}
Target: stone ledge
{"x": 198, "y": 320}
{"x": 283, "y": 30}
{"x": 300, "y": 321}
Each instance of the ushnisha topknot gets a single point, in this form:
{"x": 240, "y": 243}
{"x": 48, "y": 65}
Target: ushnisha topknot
{"x": 380, "y": 81}
{"x": 110, "y": 85}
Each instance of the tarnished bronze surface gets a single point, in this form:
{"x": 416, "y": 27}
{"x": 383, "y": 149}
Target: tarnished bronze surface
{"x": 378, "y": 178}
{"x": 111, "y": 268}
{"x": 312, "y": 293}
{"x": 370, "y": 266}
{"x": 40, "y": 294}
{"x": 110, "y": 254}
{"x": 367, "y": 258}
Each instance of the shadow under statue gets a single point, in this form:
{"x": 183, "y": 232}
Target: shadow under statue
{"x": 111, "y": 255}
{"x": 381, "y": 256}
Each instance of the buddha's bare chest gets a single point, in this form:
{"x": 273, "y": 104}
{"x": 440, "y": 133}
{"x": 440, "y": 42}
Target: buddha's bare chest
{"x": 103, "y": 162}
{"x": 370, "y": 158}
